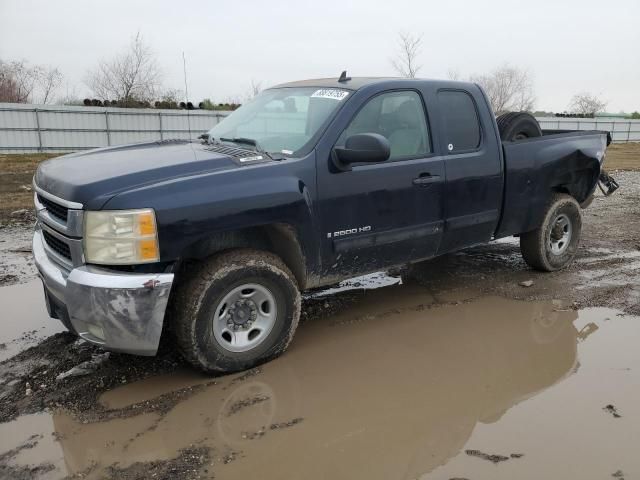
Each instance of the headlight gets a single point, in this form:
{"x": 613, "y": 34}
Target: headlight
{"x": 121, "y": 237}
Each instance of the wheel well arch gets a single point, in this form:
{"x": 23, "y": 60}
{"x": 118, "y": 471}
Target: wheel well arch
{"x": 579, "y": 183}
{"x": 279, "y": 238}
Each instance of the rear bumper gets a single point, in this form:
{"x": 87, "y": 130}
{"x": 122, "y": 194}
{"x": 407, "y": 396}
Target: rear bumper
{"x": 120, "y": 312}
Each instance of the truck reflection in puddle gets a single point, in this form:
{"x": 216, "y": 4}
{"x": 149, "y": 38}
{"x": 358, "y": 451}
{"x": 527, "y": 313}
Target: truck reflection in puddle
{"x": 391, "y": 387}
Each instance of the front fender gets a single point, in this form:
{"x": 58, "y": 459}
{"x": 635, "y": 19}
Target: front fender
{"x": 191, "y": 210}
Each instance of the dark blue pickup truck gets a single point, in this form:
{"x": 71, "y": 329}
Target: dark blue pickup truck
{"x": 310, "y": 183}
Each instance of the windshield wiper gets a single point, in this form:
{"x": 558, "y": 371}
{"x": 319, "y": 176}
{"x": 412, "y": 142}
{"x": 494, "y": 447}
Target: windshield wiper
{"x": 248, "y": 141}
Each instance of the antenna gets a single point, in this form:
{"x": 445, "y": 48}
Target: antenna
{"x": 186, "y": 92}
{"x": 343, "y": 77}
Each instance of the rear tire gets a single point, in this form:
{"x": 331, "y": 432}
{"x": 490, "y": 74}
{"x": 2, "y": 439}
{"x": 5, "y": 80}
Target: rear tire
{"x": 237, "y": 310}
{"x": 518, "y": 126}
{"x": 554, "y": 245}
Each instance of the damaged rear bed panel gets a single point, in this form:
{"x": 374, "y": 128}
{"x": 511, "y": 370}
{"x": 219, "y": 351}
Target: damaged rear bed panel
{"x": 566, "y": 162}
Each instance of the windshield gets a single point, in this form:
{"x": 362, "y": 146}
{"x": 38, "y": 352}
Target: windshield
{"x": 280, "y": 120}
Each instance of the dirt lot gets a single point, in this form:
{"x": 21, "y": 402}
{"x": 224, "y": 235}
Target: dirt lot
{"x": 454, "y": 371}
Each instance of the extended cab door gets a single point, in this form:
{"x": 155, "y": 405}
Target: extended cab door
{"x": 382, "y": 214}
{"x": 473, "y": 193}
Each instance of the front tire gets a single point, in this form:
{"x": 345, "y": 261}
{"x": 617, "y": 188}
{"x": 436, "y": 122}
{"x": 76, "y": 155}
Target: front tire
{"x": 237, "y": 310}
{"x": 554, "y": 244}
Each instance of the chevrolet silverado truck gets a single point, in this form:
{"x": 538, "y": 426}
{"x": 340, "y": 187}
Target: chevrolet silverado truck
{"x": 211, "y": 242}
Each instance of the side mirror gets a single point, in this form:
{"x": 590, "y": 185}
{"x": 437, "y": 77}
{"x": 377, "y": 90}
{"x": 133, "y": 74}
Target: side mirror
{"x": 362, "y": 148}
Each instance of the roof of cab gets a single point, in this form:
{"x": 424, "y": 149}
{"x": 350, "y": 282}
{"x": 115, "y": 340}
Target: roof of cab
{"x": 356, "y": 83}
{"x": 352, "y": 84}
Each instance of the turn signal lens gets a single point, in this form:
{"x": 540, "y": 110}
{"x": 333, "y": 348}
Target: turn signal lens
{"x": 148, "y": 250}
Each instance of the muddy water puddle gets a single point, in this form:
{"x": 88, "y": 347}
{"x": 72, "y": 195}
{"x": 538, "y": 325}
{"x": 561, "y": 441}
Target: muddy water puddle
{"x": 23, "y": 318}
{"x": 16, "y": 261}
{"x": 393, "y": 386}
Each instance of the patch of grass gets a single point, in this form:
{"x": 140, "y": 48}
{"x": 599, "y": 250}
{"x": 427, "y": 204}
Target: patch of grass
{"x": 623, "y": 156}
{"x": 16, "y": 175}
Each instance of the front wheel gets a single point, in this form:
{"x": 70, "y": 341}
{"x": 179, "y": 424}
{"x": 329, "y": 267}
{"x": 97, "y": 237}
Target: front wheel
{"x": 237, "y": 310}
{"x": 554, "y": 244}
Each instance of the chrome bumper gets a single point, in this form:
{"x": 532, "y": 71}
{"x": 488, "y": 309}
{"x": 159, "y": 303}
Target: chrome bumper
{"x": 120, "y": 312}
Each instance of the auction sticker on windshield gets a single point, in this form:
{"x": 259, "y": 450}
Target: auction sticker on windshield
{"x": 333, "y": 93}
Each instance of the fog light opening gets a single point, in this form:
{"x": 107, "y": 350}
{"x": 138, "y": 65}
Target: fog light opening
{"x": 96, "y": 331}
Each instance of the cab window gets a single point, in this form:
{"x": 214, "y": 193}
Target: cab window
{"x": 459, "y": 120}
{"x": 398, "y": 116}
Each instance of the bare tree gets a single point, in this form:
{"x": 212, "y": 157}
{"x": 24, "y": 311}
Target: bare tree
{"x": 170, "y": 98}
{"x": 130, "y": 77}
{"x": 509, "y": 89}
{"x": 171, "y": 95}
{"x": 8, "y": 87}
{"x": 233, "y": 100}
{"x": 405, "y": 61}
{"x": 453, "y": 74}
{"x": 70, "y": 96}
{"x": 22, "y": 83}
{"x": 586, "y": 104}
{"x": 48, "y": 81}
{"x": 17, "y": 81}
{"x": 256, "y": 88}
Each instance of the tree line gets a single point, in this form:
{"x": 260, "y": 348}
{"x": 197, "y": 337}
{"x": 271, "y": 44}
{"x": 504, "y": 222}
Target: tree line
{"x": 24, "y": 83}
{"x": 133, "y": 78}
{"x": 508, "y": 88}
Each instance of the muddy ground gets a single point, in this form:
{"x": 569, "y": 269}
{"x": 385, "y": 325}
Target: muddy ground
{"x": 455, "y": 370}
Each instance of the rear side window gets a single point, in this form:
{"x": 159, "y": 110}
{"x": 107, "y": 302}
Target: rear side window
{"x": 460, "y": 121}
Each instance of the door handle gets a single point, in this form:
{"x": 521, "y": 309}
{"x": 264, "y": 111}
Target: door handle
{"x": 426, "y": 179}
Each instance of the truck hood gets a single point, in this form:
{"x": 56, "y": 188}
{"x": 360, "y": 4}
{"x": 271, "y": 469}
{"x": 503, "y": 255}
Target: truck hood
{"x": 95, "y": 176}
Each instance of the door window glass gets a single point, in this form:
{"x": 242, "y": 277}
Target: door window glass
{"x": 398, "y": 116}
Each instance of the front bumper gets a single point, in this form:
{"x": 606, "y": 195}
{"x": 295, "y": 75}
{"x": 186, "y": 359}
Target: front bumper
{"x": 118, "y": 311}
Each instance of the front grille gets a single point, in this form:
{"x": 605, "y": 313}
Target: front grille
{"x": 54, "y": 209}
{"x": 57, "y": 245}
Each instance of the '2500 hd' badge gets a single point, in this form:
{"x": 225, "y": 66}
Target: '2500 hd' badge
{"x": 349, "y": 231}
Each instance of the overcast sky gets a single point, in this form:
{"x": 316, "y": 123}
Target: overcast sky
{"x": 568, "y": 45}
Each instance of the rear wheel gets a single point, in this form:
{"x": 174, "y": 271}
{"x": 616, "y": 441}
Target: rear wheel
{"x": 555, "y": 243}
{"x": 237, "y": 310}
{"x": 518, "y": 126}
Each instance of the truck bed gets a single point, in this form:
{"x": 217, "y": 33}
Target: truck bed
{"x": 567, "y": 161}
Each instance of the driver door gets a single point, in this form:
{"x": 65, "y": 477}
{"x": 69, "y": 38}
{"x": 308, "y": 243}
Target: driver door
{"x": 382, "y": 214}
